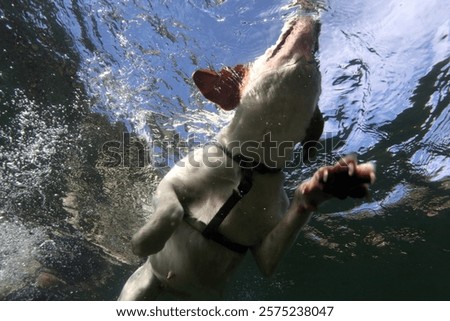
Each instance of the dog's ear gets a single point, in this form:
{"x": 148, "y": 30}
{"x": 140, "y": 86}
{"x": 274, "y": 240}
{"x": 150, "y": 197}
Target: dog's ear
{"x": 222, "y": 88}
{"x": 312, "y": 136}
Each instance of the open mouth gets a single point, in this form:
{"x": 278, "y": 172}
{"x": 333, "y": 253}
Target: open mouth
{"x": 281, "y": 43}
{"x": 299, "y": 39}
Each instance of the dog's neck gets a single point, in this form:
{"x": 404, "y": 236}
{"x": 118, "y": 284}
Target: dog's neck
{"x": 274, "y": 115}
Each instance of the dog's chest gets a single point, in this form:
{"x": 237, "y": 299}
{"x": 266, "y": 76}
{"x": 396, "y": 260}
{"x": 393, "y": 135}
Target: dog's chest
{"x": 258, "y": 212}
{"x": 203, "y": 190}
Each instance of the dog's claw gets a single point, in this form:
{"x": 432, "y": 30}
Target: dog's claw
{"x": 351, "y": 169}
{"x": 345, "y": 179}
{"x": 372, "y": 178}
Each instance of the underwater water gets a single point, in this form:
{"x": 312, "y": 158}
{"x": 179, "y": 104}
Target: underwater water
{"x": 76, "y": 75}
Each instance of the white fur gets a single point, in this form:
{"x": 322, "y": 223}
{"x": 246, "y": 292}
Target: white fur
{"x": 279, "y": 98}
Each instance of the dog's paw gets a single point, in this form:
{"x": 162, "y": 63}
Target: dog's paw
{"x": 345, "y": 179}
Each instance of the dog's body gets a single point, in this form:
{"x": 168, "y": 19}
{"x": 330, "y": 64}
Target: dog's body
{"x": 276, "y": 103}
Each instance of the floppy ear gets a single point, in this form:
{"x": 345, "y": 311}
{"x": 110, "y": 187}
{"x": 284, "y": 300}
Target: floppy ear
{"x": 223, "y": 87}
{"x": 312, "y": 136}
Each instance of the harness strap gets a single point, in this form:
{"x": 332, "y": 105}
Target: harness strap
{"x": 211, "y": 230}
{"x": 248, "y": 166}
{"x": 248, "y": 163}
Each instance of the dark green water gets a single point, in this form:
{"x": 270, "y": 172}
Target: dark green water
{"x": 75, "y": 75}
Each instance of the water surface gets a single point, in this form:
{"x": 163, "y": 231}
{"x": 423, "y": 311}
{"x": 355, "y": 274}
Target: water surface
{"x": 75, "y": 75}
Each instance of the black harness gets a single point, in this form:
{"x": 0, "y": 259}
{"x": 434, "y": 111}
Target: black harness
{"x": 248, "y": 166}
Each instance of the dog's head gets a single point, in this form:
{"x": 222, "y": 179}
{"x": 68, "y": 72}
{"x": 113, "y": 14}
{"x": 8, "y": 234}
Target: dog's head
{"x": 286, "y": 79}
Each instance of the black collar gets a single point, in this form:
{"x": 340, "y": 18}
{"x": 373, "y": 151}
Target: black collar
{"x": 248, "y": 163}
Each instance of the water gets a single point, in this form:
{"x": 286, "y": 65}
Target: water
{"x": 75, "y": 75}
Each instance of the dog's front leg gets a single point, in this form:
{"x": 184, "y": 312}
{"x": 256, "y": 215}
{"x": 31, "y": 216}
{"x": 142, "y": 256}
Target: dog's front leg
{"x": 270, "y": 251}
{"x": 345, "y": 179}
{"x": 152, "y": 237}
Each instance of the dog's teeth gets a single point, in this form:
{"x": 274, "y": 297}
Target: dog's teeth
{"x": 325, "y": 176}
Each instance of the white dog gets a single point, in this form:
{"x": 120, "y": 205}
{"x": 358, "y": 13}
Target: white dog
{"x": 228, "y": 197}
